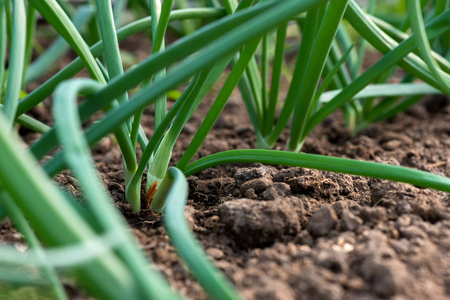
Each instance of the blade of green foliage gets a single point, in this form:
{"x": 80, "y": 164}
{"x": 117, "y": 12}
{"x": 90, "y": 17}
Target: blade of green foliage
{"x": 59, "y": 20}
{"x": 386, "y": 90}
{"x": 17, "y": 277}
{"x": 110, "y": 42}
{"x": 311, "y": 23}
{"x": 62, "y": 257}
{"x": 215, "y": 284}
{"x": 45, "y": 90}
{"x": 115, "y": 69}
{"x": 319, "y": 96}
{"x": 160, "y": 157}
{"x": 352, "y": 109}
{"x": 382, "y": 42}
{"x": 47, "y": 141}
{"x": 390, "y": 112}
{"x": 160, "y": 20}
{"x": 344, "y": 39}
{"x": 67, "y": 7}
{"x": 326, "y": 163}
{"x": 276, "y": 77}
{"x": 387, "y": 102}
{"x": 343, "y": 75}
{"x": 400, "y": 36}
{"x": 435, "y": 28}
{"x": 31, "y": 17}
{"x": 188, "y": 25}
{"x": 31, "y": 123}
{"x": 118, "y": 11}
{"x": 16, "y": 62}
{"x": 223, "y": 36}
{"x": 230, "y": 6}
{"x": 356, "y": 69}
{"x": 219, "y": 103}
{"x": 54, "y": 14}
{"x": 47, "y": 59}
{"x": 418, "y": 30}
{"x": 316, "y": 63}
{"x": 2, "y": 46}
{"x": 226, "y": 44}
{"x": 265, "y": 44}
{"x": 253, "y": 85}
{"x": 2, "y": 213}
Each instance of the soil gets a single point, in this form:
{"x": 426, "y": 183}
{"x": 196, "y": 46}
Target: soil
{"x": 294, "y": 233}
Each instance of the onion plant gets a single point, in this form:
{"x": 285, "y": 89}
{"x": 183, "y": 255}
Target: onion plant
{"x": 250, "y": 37}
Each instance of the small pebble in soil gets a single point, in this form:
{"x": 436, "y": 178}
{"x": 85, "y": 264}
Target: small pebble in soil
{"x": 313, "y": 284}
{"x": 430, "y": 209}
{"x": 349, "y": 221}
{"x": 333, "y": 260}
{"x": 285, "y": 175}
{"x": 386, "y": 277}
{"x": 403, "y": 207}
{"x": 245, "y": 174}
{"x": 259, "y": 224}
{"x": 379, "y": 266}
{"x": 392, "y": 145}
{"x": 250, "y": 194}
{"x": 373, "y": 215}
{"x": 258, "y": 185}
{"x": 276, "y": 190}
{"x": 215, "y": 253}
{"x": 323, "y": 221}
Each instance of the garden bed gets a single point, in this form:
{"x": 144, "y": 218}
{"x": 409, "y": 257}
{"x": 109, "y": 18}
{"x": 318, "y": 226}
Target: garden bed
{"x": 293, "y": 233}
{"x": 276, "y": 232}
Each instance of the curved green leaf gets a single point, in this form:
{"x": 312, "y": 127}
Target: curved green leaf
{"x": 326, "y": 163}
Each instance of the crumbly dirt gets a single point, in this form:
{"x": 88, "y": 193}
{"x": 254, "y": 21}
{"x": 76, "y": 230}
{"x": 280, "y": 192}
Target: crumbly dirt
{"x": 294, "y": 233}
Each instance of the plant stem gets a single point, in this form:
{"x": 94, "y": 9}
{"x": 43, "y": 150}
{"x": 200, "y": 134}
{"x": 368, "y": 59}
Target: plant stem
{"x": 54, "y": 14}
{"x": 16, "y": 62}
{"x": 3, "y": 35}
{"x": 227, "y": 44}
{"x": 31, "y": 28}
{"x": 276, "y": 76}
{"x": 420, "y": 36}
{"x": 47, "y": 59}
{"x": 316, "y": 63}
{"x": 219, "y": 103}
